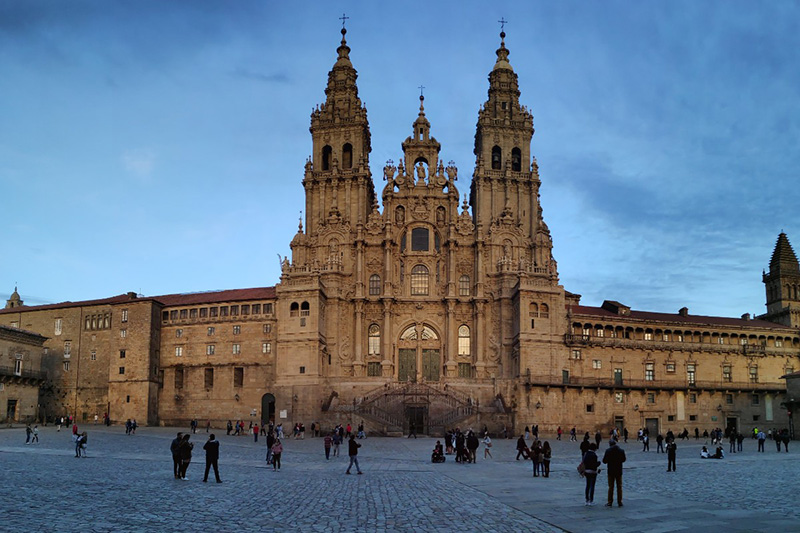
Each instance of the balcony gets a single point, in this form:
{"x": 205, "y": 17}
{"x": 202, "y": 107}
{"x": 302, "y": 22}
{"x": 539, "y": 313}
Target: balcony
{"x": 642, "y": 384}
{"x": 618, "y": 342}
{"x": 8, "y": 373}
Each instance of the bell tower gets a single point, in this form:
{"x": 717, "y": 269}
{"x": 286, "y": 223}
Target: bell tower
{"x": 505, "y": 186}
{"x": 337, "y": 180}
{"x": 782, "y": 284}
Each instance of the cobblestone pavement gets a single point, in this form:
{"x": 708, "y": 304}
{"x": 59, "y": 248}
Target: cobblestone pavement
{"x": 126, "y": 484}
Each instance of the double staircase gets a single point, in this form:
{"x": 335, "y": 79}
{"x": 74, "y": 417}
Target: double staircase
{"x": 435, "y": 407}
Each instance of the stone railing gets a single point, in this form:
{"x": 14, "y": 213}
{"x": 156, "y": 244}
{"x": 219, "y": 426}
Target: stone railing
{"x": 664, "y": 384}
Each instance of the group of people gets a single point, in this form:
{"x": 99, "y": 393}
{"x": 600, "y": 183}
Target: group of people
{"x": 463, "y": 445}
{"x": 181, "y": 449}
{"x": 31, "y": 434}
{"x": 589, "y": 467}
{"x": 130, "y": 426}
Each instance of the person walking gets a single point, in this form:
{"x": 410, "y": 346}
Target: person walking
{"x": 558, "y": 432}
{"x": 185, "y": 452}
{"x": 277, "y": 450}
{"x": 270, "y": 444}
{"x": 29, "y": 431}
{"x": 547, "y": 453}
{"x": 35, "y": 430}
{"x": 208, "y": 427}
{"x": 212, "y": 457}
{"x": 337, "y": 440}
{"x": 573, "y": 435}
{"x": 487, "y": 443}
{"x": 255, "y": 432}
{"x": 762, "y": 437}
{"x": 671, "y": 454}
{"x": 353, "y": 453}
{"x": 412, "y": 430}
{"x": 625, "y": 434}
{"x": 614, "y": 457}
{"x": 327, "y": 442}
{"x": 176, "y": 455}
{"x": 659, "y": 443}
{"x": 590, "y": 464}
{"x": 732, "y": 441}
{"x": 536, "y": 457}
{"x": 598, "y": 438}
{"x": 522, "y": 447}
{"x": 472, "y": 446}
{"x": 646, "y": 442}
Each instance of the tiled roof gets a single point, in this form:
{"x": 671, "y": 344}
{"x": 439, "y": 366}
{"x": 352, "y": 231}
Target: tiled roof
{"x": 32, "y": 334}
{"x": 783, "y": 257}
{"x": 190, "y": 298}
{"x": 675, "y": 318}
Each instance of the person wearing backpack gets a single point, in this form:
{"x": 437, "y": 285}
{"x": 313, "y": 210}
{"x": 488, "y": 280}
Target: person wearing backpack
{"x": 590, "y": 464}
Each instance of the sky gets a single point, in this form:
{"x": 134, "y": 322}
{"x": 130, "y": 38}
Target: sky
{"x": 159, "y": 147}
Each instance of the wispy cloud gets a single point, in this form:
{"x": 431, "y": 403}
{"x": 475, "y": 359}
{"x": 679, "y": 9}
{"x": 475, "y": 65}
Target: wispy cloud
{"x": 277, "y": 77}
{"x": 139, "y": 162}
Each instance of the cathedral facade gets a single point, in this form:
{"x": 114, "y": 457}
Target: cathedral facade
{"x": 437, "y": 308}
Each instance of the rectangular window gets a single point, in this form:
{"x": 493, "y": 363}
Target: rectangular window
{"x": 756, "y": 418}
{"x": 184, "y": 313}
{"x": 234, "y": 310}
{"x": 123, "y": 333}
{"x": 464, "y": 370}
{"x": 266, "y": 347}
{"x": 670, "y": 418}
{"x": 179, "y": 333}
{"x": 778, "y": 343}
{"x": 57, "y": 326}
{"x": 66, "y": 366}
{"x": 173, "y": 315}
{"x": 729, "y": 399}
{"x": 122, "y": 370}
{"x": 651, "y": 397}
{"x": 575, "y": 354}
{"x": 692, "y": 418}
{"x": 160, "y": 379}
{"x": 618, "y": 397}
{"x": 94, "y": 355}
{"x": 211, "y": 331}
{"x": 122, "y": 354}
{"x": 267, "y": 328}
{"x": 267, "y": 309}
{"x": 374, "y": 344}
{"x": 463, "y": 345}
{"x": 691, "y": 374}
{"x": 726, "y": 374}
{"x": 245, "y": 309}
{"x": 590, "y": 408}
{"x": 124, "y": 315}
{"x": 302, "y": 370}
{"x": 373, "y": 369}
{"x": 755, "y": 399}
{"x": 209, "y": 377}
{"x": 670, "y": 368}
{"x": 419, "y": 240}
{"x": 193, "y": 313}
{"x": 599, "y": 333}
{"x": 213, "y": 312}
{"x": 679, "y": 337}
{"x": 18, "y": 365}
{"x": 665, "y": 338}
{"x": 753, "y": 374}
{"x": 223, "y": 311}
{"x": 179, "y": 377}
{"x": 165, "y": 315}
{"x": 586, "y": 333}
{"x": 203, "y": 312}
{"x": 648, "y": 335}
{"x": 649, "y": 371}
{"x": 256, "y": 309}
{"x": 720, "y": 340}
{"x": 692, "y": 398}
{"x": 302, "y": 322}
{"x": 67, "y": 349}
{"x": 237, "y": 330}
{"x": 238, "y": 377}
{"x": 210, "y": 348}
{"x": 597, "y": 364}
{"x": 237, "y": 349}
{"x": 742, "y": 340}
{"x": 178, "y": 351}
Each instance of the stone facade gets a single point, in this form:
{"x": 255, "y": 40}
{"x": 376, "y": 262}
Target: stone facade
{"x": 21, "y": 374}
{"x": 428, "y": 310}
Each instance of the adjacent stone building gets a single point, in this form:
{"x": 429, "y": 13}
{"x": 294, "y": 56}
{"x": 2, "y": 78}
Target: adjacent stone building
{"x": 429, "y": 309}
{"x": 21, "y": 374}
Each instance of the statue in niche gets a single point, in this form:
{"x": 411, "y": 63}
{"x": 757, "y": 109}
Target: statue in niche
{"x": 440, "y": 216}
{"x": 421, "y": 173}
{"x": 400, "y": 215}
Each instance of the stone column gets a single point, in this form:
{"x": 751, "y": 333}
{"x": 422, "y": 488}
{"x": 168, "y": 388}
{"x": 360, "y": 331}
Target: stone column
{"x": 451, "y": 326}
{"x": 358, "y": 363}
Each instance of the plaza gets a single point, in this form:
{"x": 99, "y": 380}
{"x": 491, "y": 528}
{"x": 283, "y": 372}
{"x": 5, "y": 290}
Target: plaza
{"x": 126, "y": 484}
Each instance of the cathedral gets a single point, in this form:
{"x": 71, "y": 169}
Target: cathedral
{"x": 419, "y": 305}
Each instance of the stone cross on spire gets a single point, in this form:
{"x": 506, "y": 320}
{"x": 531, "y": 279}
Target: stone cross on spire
{"x": 344, "y": 18}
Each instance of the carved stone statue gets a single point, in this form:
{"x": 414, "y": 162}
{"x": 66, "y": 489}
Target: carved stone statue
{"x": 421, "y": 174}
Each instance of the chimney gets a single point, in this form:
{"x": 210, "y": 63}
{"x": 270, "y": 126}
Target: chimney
{"x": 746, "y": 316}
{"x": 683, "y": 311}
{"x": 132, "y": 295}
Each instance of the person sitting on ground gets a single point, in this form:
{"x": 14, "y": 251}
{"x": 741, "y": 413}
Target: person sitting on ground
{"x": 704, "y": 453}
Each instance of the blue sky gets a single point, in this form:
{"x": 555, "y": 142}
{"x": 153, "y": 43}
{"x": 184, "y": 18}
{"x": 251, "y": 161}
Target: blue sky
{"x": 158, "y": 147}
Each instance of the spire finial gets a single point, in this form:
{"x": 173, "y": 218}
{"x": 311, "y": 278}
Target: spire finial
{"x": 344, "y": 18}
{"x": 503, "y": 23}
{"x": 421, "y": 99}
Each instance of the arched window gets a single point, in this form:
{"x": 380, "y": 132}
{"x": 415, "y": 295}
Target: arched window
{"x": 326, "y": 157}
{"x": 374, "y": 345}
{"x": 544, "y": 311}
{"x": 463, "y": 286}
{"x": 374, "y": 285}
{"x": 419, "y": 240}
{"x": 516, "y": 159}
{"x": 534, "y": 310}
{"x": 305, "y": 309}
{"x": 294, "y": 309}
{"x": 463, "y": 340}
{"x": 496, "y": 158}
{"x": 347, "y": 156}
{"x": 419, "y": 280}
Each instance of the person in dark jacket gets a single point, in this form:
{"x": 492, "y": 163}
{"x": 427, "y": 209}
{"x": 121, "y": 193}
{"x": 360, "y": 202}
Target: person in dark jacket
{"x": 185, "y": 453}
{"x": 270, "y": 444}
{"x": 353, "y": 447}
{"x": 176, "y": 457}
{"x": 672, "y": 449}
{"x": 472, "y": 446}
{"x": 212, "y": 457}
{"x": 522, "y": 447}
{"x": 614, "y": 457}
{"x": 590, "y": 464}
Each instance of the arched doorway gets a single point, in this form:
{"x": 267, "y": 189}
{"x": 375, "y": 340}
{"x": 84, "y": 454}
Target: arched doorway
{"x": 418, "y": 355}
{"x": 268, "y": 408}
